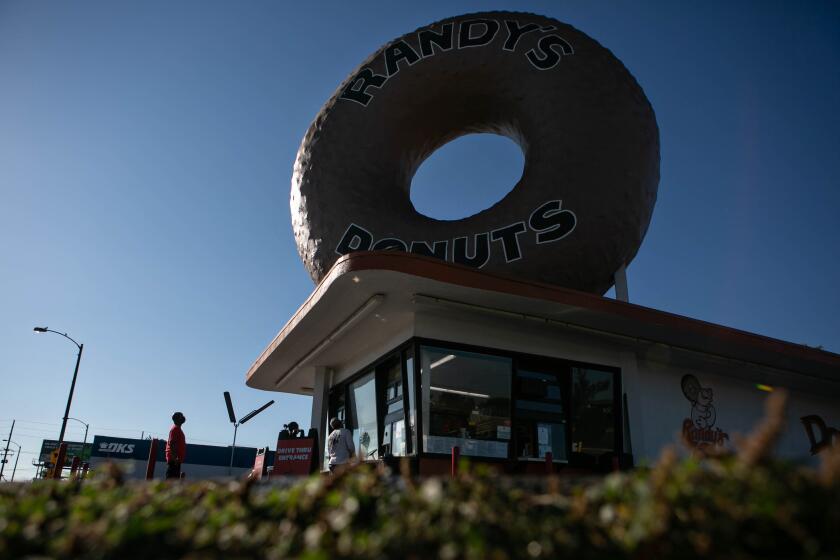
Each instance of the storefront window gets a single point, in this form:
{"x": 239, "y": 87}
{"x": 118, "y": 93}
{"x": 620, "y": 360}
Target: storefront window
{"x": 593, "y": 411}
{"x": 393, "y": 435}
{"x": 540, "y": 413}
{"x": 363, "y": 417}
{"x": 466, "y": 402}
{"x": 467, "y": 399}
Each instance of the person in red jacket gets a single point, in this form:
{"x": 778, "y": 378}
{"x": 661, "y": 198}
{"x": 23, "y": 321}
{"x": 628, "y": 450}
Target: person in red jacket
{"x": 176, "y": 447}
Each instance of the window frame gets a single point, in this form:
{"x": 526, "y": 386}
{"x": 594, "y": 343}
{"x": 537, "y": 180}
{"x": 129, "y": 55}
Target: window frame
{"x": 382, "y": 401}
{"x": 375, "y": 367}
{"x": 411, "y": 347}
{"x": 573, "y": 459}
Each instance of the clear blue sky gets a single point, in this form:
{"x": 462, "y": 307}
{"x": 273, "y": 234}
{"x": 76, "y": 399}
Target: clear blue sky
{"x": 146, "y": 151}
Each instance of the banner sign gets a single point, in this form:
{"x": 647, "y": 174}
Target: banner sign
{"x": 293, "y": 457}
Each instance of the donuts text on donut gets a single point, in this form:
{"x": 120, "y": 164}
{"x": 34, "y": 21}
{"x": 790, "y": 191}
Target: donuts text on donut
{"x": 549, "y": 223}
{"x": 471, "y": 33}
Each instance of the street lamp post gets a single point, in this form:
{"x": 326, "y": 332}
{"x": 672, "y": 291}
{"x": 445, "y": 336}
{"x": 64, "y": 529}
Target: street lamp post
{"x": 14, "y": 470}
{"x": 84, "y": 441}
{"x": 86, "y": 425}
{"x": 236, "y": 424}
{"x": 72, "y": 383}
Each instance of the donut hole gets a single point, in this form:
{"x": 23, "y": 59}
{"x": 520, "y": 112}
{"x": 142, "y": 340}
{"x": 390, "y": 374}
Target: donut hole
{"x": 467, "y": 175}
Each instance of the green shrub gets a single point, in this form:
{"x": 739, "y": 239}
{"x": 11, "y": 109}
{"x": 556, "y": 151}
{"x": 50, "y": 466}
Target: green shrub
{"x": 745, "y": 505}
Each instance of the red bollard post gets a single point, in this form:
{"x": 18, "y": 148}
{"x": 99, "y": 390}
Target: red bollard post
{"x": 549, "y": 462}
{"x": 85, "y": 467}
{"x": 59, "y": 461}
{"x": 150, "y": 464}
{"x": 74, "y": 466}
{"x": 456, "y": 456}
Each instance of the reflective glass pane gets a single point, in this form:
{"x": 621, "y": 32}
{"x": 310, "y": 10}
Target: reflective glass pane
{"x": 538, "y": 385}
{"x": 466, "y": 402}
{"x": 393, "y": 380}
{"x": 593, "y": 411}
{"x": 412, "y": 403}
{"x": 363, "y": 415}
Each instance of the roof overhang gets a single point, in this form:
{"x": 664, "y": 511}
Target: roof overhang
{"x": 370, "y": 297}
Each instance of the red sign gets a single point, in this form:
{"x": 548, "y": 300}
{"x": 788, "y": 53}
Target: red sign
{"x": 293, "y": 457}
{"x": 259, "y": 465}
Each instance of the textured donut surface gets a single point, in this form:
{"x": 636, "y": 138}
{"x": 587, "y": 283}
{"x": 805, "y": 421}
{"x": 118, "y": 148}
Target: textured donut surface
{"x": 588, "y": 134}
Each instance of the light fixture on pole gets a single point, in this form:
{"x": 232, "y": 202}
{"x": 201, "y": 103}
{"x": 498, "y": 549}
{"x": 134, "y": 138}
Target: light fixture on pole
{"x": 86, "y": 425}
{"x": 241, "y": 421}
{"x": 14, "y": 470}
{"x": 72, "y": 383}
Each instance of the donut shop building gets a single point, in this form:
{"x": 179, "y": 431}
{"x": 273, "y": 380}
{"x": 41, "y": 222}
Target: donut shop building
{"x": 491, "y": 334}
{"x": 418, "y": 356}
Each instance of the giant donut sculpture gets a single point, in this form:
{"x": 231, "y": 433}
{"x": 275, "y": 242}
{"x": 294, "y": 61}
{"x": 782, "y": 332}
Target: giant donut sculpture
{"x": 587, "y": 131}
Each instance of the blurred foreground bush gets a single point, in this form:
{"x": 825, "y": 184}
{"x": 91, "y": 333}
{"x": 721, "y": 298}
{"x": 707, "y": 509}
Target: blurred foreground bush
{"x": 744, "y": 505}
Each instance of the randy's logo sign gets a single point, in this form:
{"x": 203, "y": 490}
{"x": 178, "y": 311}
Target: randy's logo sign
{"x": 111, "y": 447}
{"x": 700, "y": 430}
{"x": 546, "y": 54}
{"x": 546, "y": 224}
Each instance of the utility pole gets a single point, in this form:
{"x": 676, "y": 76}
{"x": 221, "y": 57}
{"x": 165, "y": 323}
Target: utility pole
{"x": 16, "y": 460}
{"x": 6, "y": 451}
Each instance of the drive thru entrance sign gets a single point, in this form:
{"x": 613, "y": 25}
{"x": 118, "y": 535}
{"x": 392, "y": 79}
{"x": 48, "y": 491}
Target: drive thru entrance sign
{"x": 293, "y": 457}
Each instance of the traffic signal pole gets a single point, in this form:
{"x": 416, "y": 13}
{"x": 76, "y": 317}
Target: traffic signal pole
{"x": 6, "y": 450}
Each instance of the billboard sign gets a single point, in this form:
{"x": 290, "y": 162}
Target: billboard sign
{"x": 74, "y": 449}
{"x": 120, "y": 448}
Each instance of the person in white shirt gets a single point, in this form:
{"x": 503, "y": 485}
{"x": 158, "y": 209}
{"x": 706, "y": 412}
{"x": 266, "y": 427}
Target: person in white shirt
{"x": 339, "y": 444}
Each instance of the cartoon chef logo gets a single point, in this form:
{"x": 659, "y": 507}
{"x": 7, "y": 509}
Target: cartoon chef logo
{"x": 699, "y": 429}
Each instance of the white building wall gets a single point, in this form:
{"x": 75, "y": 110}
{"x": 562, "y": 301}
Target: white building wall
{"x": 738, "y": 404}
{"x": 651, "y": 381}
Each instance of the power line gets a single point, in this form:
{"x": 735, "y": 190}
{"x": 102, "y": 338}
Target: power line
{"x": 9, "y": 420}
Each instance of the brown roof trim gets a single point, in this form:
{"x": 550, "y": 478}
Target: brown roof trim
{"x": 435, "y": 269}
